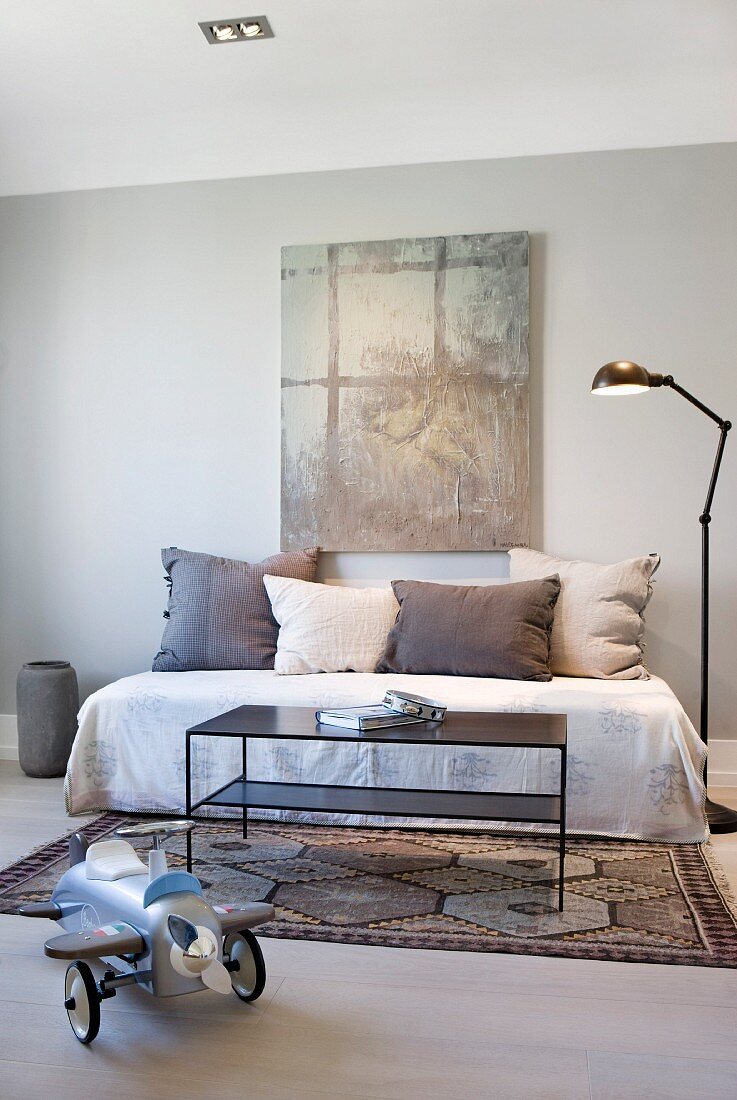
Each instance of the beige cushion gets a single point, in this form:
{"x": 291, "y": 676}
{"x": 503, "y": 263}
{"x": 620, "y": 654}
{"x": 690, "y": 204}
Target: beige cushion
{"x": 326, "y": 628}
{"x": 598, "y": 625}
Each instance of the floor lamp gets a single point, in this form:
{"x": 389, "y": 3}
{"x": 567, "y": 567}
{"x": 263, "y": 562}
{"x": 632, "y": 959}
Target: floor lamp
{"x": 627, "y": 378}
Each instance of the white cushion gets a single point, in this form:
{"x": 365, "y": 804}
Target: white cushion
{"x": 325, "y": 628}
{"x": 598, "y": 625}
{"x": 110, "y": 860}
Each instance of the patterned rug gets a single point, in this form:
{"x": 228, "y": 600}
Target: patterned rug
{"x": 624, "y": 901}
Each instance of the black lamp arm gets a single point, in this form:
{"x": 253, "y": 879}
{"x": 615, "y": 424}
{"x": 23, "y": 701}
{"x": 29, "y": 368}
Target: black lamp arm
{"x": 705, "y": 516}
{"x": 704, "y": 519}
{"x": 724, "y": 427}
{"x": 669, "y": 381}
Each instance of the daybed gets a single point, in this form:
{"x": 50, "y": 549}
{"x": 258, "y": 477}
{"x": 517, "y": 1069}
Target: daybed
{"x": 635, "y": 760}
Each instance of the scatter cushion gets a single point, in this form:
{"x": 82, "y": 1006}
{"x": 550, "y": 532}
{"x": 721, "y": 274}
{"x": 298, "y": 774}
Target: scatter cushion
{"x": 498, "y": 630}
{"x": 219, "y": 616}
{"x": 599, "y": 620}
{"x": 326, "y": 628}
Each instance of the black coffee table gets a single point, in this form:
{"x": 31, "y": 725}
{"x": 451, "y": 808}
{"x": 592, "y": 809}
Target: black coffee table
{"x": 527, "y": 730}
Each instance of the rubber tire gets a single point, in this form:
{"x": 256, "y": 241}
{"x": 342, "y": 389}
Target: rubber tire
{"x": 248, "y": 939}
{"x": 89, "y": 986}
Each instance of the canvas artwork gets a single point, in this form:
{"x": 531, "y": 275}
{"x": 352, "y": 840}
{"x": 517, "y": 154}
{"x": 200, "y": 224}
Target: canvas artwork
{"x": 405, "y": 392}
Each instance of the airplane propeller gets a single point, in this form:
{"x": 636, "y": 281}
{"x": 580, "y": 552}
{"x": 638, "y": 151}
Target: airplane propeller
{"x": 183, "y": 932}
{"x": 201, "y": 951}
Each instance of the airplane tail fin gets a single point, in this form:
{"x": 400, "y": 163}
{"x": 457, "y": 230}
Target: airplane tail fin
{"x": 78, "y": 845}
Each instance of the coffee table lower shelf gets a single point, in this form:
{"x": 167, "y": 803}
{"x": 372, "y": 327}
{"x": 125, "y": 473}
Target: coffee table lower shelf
{"x": 387, "y": 801}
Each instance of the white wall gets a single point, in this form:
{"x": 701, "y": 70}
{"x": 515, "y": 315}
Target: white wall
{"x": 139, "y": 401}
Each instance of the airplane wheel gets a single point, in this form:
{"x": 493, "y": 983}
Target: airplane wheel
{"x": 249, "y": 978}
{"x": 82, "y": 1001}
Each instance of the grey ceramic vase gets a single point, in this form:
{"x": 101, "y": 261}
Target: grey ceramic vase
{"x": 48, "y": 701}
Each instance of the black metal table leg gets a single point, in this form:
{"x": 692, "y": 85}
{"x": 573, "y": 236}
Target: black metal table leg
{"x": 245, "y": 776}
{"x": 188, "y": 796}
{"x": 562, "y": 848}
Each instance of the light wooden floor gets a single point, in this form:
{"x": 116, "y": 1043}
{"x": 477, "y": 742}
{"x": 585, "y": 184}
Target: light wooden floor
{"x": 366, "y": 1023}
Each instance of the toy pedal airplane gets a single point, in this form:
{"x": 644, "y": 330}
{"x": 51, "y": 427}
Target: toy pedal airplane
{"x": 153, "y": 921}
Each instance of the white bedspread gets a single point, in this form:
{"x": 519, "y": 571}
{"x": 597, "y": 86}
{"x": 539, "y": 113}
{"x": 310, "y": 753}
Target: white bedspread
{"x": 634, "y": 764}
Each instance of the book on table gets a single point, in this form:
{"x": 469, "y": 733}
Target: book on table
{"x": 364, "y": 718}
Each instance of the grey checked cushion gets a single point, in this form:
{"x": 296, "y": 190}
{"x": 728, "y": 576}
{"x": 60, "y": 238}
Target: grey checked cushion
{"x": 219, "y": 615}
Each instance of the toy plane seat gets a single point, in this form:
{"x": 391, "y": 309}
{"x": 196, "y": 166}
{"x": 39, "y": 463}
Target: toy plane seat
{"x": 112, "y": 859}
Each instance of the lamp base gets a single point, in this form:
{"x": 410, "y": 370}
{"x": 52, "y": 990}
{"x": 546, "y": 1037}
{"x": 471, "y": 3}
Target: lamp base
{"x": 721, "y": 818}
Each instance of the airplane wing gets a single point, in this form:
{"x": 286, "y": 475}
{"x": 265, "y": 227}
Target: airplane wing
{"x": 234, "y": 917}
{"x": 116, "y": 938}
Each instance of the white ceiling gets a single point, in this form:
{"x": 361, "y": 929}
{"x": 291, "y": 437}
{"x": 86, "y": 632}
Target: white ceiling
{"x": 99, "y": 94}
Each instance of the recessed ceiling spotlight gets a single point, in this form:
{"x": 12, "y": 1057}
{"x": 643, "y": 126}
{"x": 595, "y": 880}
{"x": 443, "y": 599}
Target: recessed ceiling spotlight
{"x": 244, "y": 29}
{"x": 223, "y": 32}
{"x": 251, "y": 30}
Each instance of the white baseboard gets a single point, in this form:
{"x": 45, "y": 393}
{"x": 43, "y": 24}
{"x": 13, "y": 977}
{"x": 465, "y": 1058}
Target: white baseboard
{"x": 8, "y": 737}
{"x": 722, "y": 763}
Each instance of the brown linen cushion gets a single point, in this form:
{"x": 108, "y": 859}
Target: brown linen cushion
{"x": 219, "y": 615}
{"x": 498, "y": 630}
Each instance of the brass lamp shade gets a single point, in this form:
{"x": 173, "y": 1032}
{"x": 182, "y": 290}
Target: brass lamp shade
{"x": 622, "y": 378}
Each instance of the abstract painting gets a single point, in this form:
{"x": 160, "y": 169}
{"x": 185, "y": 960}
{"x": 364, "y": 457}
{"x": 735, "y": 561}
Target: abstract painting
{"x": 405, "y": 392}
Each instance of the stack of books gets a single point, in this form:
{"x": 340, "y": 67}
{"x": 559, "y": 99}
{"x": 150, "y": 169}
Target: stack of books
{"x": 365, "y": 718}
